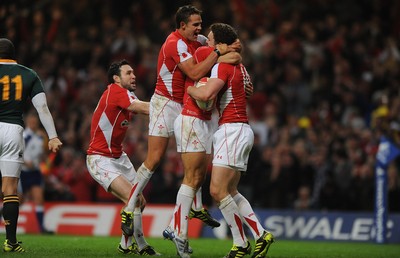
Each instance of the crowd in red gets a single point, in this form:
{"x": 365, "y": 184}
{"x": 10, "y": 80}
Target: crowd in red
{"x": 325, "y": 73}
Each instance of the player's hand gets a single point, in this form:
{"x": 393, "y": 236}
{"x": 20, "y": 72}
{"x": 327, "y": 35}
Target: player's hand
{"x": 248, "y": 88}
{"x": 223, "y": 48}
{"x": 55, "y": 144}
{"x": 236, "y": 46}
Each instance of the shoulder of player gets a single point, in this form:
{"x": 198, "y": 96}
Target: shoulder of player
{"x": 204, "y": 50}
{"x": 173, "y": 38}
{"x": 116, "y": 89}
{"x": 22, "y": 68}
{"x": 118, "y": 92}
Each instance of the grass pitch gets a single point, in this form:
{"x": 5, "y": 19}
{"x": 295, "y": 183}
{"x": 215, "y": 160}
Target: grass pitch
{"x": 55, "y": 246}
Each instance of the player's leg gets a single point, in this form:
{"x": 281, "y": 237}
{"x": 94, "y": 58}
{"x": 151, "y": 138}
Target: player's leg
{"x": 10, "y": 206}
{"x": 198, "y": 198}
{"x": 12, "y": 147}
{"x": 245, "y": 140}
{"x": 163, "y": 113}
{"x": 122, "y": 188}
{"x": 193, "y": 164}
{"x": 107, "y": 172}
{"x": 34, "y": 184}
{"x": 194, "y": 142}
{"x": 198, "y": 211}
{"x": 143, "y": 247}
{"x": 221, "y": 181}
{"x": 157, "y": 147}
{"x": 38, "y": 200}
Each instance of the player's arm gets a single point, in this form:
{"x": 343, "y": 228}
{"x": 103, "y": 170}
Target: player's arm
{"x": 248, "y": 88}
{"x": 233, "y": 57}
{"x": 196, "y": 71}
{"x": 140, "y": 107}
{"x": 40, "y": 103}
{"x": 230, "y": 58}
{"x": 208, "y": 91}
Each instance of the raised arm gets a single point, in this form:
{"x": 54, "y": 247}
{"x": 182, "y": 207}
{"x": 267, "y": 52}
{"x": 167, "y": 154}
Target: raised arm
{"x": 196, "y": 71}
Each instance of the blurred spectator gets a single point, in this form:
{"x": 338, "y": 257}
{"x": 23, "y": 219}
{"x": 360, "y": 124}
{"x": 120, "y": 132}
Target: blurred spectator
{"x": 77, "y": 178}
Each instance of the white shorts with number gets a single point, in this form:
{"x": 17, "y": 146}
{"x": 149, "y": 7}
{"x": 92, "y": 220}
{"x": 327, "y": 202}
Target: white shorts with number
{"x": 11, "y": 149}
{"x": 193, "y": 134}
{"x": 163, "y": 113}
{"x": 232, "y": 144}
{"x": 105, "y": 169}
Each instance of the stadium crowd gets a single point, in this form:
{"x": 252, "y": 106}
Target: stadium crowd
{"x": 326, "y": 86}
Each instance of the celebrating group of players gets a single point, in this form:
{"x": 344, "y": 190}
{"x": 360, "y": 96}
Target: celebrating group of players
{"x": 185, "y": 57}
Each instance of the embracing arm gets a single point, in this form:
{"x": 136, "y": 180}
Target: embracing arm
{"x": 230, "y": 58}
{"x": 208, "y": 91}
{"x": 196, "y": 71}
{"x": 234, "y": 56}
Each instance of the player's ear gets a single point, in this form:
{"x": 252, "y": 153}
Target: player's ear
{"x": 116, "y": 78}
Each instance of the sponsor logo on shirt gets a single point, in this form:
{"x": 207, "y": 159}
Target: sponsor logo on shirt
{"x": 125, "y": 123}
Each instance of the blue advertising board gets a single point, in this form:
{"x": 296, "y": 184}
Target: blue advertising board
{"x": 326, "y": 226}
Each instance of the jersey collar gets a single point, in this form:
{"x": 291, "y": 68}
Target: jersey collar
{"x": 7, "y": 61}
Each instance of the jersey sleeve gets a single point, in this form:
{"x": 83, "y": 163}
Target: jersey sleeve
{"x": 124, "y": 98}
{"x": 182, "y": 52}
{"x": 219, "y": 71}
{"x": 37, "y": 85}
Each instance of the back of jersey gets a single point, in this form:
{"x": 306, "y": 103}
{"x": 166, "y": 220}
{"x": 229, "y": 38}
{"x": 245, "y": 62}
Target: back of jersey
{"x": 17, "y": 84}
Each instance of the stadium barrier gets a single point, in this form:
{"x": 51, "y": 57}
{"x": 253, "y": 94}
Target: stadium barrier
{"x": 104, "y": 220}
{"x": 326, "y": 226}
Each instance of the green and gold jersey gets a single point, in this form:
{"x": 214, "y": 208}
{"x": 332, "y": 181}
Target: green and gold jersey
{"x": 17, "y": 84}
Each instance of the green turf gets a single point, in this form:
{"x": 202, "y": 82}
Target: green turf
{"x": 98, "y": 247}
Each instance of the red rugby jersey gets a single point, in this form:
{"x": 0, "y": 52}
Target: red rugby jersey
{"x": 110, "y": 122}
{"x": 190, "y": 107}
{"x": 231, "y": 101}
{"x": 170, "y": 79}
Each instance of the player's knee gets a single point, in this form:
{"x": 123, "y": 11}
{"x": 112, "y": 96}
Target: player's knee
{"x": 216, "y": 193}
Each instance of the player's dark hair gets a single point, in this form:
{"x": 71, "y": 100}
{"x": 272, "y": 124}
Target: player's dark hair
{"x": 183, "y": 14}
{"x": 7, "y": 50}
{"x": 115, "y": 69}
{"x": 223, "y": 33}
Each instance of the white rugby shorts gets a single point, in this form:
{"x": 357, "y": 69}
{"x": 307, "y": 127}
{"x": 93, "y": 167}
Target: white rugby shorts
{"x": 11, "y": 149}
{"x": 232, "y": 144}
{"x": 193, "y": 134}
{"x": 163, "y": 113}
{"x": 105, "y": 169}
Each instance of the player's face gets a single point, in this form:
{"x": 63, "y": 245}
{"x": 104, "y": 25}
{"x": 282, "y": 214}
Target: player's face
{"x": 128, "y": 78}
{"x": 210, "y": 39}
{"x": 192, "y": 29}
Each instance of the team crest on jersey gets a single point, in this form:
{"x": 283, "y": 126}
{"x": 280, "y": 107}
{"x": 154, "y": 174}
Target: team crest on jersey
{"x": 160, "y": 128}
{"x": 125, "y": 123}
{"x": 195, "y": 142}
